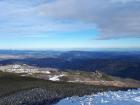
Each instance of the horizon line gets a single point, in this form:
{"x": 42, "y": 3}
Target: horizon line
{"x": 72, "y": 49}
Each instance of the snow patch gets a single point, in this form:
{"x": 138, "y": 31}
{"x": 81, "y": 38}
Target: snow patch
{"x": 130, "y": 97}
{"x": 56, "y": 77}
{"x": 16, "y": 68}
{"x": 137, "y": 99}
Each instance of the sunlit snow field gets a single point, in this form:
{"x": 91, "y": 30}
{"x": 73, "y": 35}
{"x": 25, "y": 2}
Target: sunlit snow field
{"x": 130, "y": 97}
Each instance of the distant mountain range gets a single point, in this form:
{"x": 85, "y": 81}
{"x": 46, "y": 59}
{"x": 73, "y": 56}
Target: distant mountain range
{"x": 124, "y": 64}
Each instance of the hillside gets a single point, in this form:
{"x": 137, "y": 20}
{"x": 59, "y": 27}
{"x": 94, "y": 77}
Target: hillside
{"x": 28, "y": 78}
{"x": 92, "y": 78}
{"x": 121, "y": 64}
{"x": 28, "y": 90}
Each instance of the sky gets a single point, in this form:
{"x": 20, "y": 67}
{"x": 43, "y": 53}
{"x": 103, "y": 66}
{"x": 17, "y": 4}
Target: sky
{"x": 54, "y": 24}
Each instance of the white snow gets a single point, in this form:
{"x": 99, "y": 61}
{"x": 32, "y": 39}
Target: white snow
{"x": 16, "y": 68}
{"x": 130, "y": 97}
{"x": 56, "y": 77}
{"x": 137, "y": 99}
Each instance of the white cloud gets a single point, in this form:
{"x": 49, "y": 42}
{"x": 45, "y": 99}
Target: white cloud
{"x": 114, "y": 18}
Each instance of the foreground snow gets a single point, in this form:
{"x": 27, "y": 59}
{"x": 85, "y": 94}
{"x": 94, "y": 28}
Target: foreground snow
{"x": 130, "y": 97}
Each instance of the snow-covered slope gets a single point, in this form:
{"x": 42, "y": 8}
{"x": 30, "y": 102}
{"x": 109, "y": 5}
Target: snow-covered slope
{"x": 130, "y": 97}
{"x": 17, "y": 68}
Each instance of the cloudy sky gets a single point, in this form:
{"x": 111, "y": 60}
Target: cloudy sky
{"x": 42, "y": 24}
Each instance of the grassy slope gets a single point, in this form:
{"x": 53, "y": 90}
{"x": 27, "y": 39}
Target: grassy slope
{"x": 11, "y": 83}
